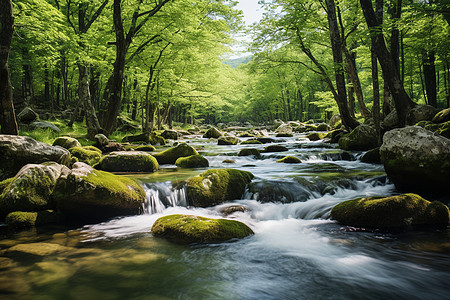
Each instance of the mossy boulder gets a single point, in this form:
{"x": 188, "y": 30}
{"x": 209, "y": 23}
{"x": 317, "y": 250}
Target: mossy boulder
{"x": 323, "y": 127}
{"x": 146, "y": 137}
{"x": 444, "y": 129}
{"x": 170, "y": 134}
{"x": 421, "y": 113}
{"x": 391, "y": 212}
{"x": 274, "y": 148}
{"x": 128, "y": 161}
{"x": 194, "y": 229}
{"x": 66, "y": 142}
{"x": 316, "y": 136}
{"x": 442, "y": 116}
{"x": 31, "y": 189}
{"x": 217, "y": 186}
{"x": 284, "y": 129}
{"x": 86, "y": 194}
{"x": 363, "y": 137}
{"x": 372, "y": 156}
{"x": 227, "y": 140}
{"x": 27, "y": 115}
{"x": 251, "y": 142}
{"x": 416, "y": 159}
{"x": 145, "y": 148}
{"x": 250, "y": 152}
{"x": 22, "y": 220}
{"x": 213, "y": 132}
{"x": 171, "y": 155}
{"x": 17, "y": 151}
{"x": 289, "y": 160}
{"x": 86, "y": 154}
{"x": 193, "y": 161}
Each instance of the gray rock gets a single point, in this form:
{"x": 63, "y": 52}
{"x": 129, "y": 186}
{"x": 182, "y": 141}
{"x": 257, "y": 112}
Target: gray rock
{"x": 362, "y": 138}
{"x": 284, "y": 129}
{"x": 44, "y": 125}
{"x": 27, "y": 115}
{"x": 228, "y": 140}
{"x": 170, "y": 134}
{"x": 421, "y": 113}
{"x": 66, "y": 142}
{"x": 213, "y": 133}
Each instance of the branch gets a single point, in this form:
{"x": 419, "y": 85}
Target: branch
{"x": 96, "y": 15}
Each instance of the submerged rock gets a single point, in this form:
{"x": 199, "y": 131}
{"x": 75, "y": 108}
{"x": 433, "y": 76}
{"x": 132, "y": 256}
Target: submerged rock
{"x": 89, "y": 154}
{"x": 213, "y": 132}
{"x": 228, "y": 140}
{"x": 128, "y": 161}
{"x": 275, "y": 148}
{"x": 217, "y": 186}
{"x": 194, "y": 229}
{"x": 391, "y": 212}
{"x": 193, "y": 161}
{"x": 171, "y": 155}
{"x": 363, "y": 137}
{"x": 66, "y": 142}
{"x": 415, "y": 159}
{"x": 372, "y": 156}
{"x": 250, "y": 152}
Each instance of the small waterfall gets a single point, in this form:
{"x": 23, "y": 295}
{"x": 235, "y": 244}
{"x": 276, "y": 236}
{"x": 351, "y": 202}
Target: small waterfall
{"x": 161, "y": 195}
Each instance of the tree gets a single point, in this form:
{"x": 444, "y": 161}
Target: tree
{"x": 8, "y": 118}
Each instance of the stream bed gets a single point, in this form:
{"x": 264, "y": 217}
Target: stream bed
{"x": 296, "y": 252}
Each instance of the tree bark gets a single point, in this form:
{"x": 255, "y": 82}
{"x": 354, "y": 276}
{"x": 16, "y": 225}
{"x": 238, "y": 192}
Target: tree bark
{"x": 429, "y": 74}
{"x": 375, "y": 82}
{"x": 84, "y": 94}
{"x": 8, "y": 117}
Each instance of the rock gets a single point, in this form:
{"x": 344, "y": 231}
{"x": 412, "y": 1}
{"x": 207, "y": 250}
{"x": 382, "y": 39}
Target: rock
{"x": 145, "y": 148}
{"x": 265, "y": 140}
{"x": 217, "y": 186}
{"x": 27, "y": 115}
{"x": 372, "y": 156}
{"x": 146, "y": 137}
{"x": 21, "y": 220}
{"x": 194, "y": 229}
{"x": 392, "y": 212}
{"x": 323, "y": 127}
{"x": 316, "y": 136}
{"x": 36, "y": 249}
{"x": 284, "y": 135}
{"x": 31, "y": 188}
{"x": 90, "y": 154}
{"x": 66, "y": 142}
{"x": 101, "y": 139}
{"x": 390, "y": 121}
{"x": 442, "y": 116}
{"x": 421, "y": 113}
{"x": 227, "y": 140}
{"x": 335, "y": 121}
{"x": 415, "y": 159}
{"x": 228, "y": 161}
{"x": 275, "y": 148}
{"x": 250, "y": 152}
{"x": 444, "y": 129}
{"x": 250, "y": 142}
{"x": 17, "y": 151}
{"x": 363, "y": 137}
{"x": 301, "y": 128}
{"x": 289, "y": 160}
{"x": 247, "y": 134}
{"x": 335, "y": 135}
{"x": 44, "y": 125}
{"x": 128, "y": 161}
{"x": 86, "y": 194}
{"x": 213, "y": 133}
{"x": 170, "y": 134}
{"x": 112, "y": 147}
{"x": 171, "y": 155}
{"x": 231, "y": 209}
{"x": 284, "y": 129}
{"x": 193, "y": 161}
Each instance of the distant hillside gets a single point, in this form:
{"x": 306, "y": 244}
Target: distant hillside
{"x": 236, "y": 62}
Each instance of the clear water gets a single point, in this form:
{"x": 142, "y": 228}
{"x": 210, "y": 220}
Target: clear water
{"x": 296, "y": 252}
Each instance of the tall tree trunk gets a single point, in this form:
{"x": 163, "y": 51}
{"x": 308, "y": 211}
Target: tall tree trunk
{"x": 84, "y": 94}
{"x": 375, "y": 82}
{"x": 8, "y": 117}
{"x": 429, "y": 74}
{"x": 390, "y": 73}
{"x": 351, "y": 97}
{"x": 65, "y": 98}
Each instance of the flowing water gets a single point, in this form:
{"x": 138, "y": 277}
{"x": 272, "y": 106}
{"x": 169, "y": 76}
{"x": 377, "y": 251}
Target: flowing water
{"x": 296, "y": 252}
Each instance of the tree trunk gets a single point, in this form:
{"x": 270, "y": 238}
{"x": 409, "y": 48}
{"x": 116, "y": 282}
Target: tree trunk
{"x": 92, "y": 124}
{"x": 429, "y": 74}
{"x": 65, "y": 98}
{"x": 8, "y": 118}
{"x": 375, "y": 82}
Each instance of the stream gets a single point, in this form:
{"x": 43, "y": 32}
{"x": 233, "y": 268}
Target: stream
{"x": 296, "y": 252}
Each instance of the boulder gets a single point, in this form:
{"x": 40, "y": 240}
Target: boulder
{"x": 421, "y": 113}
{"x": 194, "y": 229}
{"x": 145, "y": 148}
{"x": 212, "y": 133}
{"x": 323, "y": 127}
{"x": 86, "y": 194}
{"x": 444, "y": 129}
{"x": 362, "y": 138}
{"x": 170, "y": 134}
{"x": 390, "y": 121}
{"x": 128, "y": 161}
{"x": 335, "y": 121}
{"x": 217, "y": 186}
{"x": 22, "y": 220}
{"x": 275, "y": 148}
{"x": 289, "y": 160}
{"x": 31, "y": 188}
{"x": 392, "y": 212}
{"x": 442, "y": 116}
{"x": 89, "y": 154}
{"x": 251, "y": 142}
{"x": 228, "y": 161}
{"x": 284, "y": 129}
{"x": 372, "y": 156}
{"x": 415, "y": 159}
{"x": 265, "y": 140}
{"x": 193, "y": 161}
{"x": 250, "y": 152}
{"x": 171, "y": 155}
{"x": 231, "y": 209}
{"x": 316, "y": 136}
{"x": 227, "y": 140}
{"x": 17, "y": 151}
{"x": 146, "y": 137}
{"x": 44, "y": 125}
{"x": 101, "y": 139}
{"x": 284, "y": 135}
{"x": 27, "y": 115}
{"x": 66, "y": 142}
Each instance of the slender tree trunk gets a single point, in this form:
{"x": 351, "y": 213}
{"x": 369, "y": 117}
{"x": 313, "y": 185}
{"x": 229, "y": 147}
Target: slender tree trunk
{"x": 351, "y": 97}
{"x": 8, "y": 118}
{"x": 92, "y": 124}
{"x": 65, "y": 97}
{"x": 375, "y": 82}
{"x": 429, "y": 74}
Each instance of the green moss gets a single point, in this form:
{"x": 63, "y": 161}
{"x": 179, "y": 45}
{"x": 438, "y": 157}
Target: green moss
{"x": 217, "y": 186}
{"x": 171, "y": 155}
{"x": 361, "y": 138}
{"x": 5, "y": 183}
{"x": 194, "y": 229}
{"x": 289, "y": 160}
{"x": 444, "y": 129}
{"x": 86, "y": 155}
{"x": 21, "y": 220}
{"x": 193, "y": 161}
{"x": 392, "y": 212}
{"x": 228, "y": 140}
{"x": 249, "y": 152}
{"x": 146, "y": 148}
{"x": 66, "y": 142}
{"x": 128, "y": 162}
{"x": 315, "y": 136}
{"x": 249, "y": 142}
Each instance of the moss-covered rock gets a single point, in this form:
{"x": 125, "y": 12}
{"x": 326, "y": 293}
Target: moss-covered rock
{"x": 251, "y": 142}
{"x": 170, "y": 134}
{"x": 421, "y": 113}
{"x": 193, "y": 161}
{"x": 391, "y": 212}
{"x": 195, "y": 229}
{"x": 442, "y": 116}
{"x": 5, "y": 183}
{"x": 284, "y": 129}
{"x": 171, "y": 155}
{"x": 372, "y": 156}
{"x": 86, "y": 194}
{"x": 274, "y": 148}
{"x": 213, "y": 132}
{"x": 228, "y": 140}
{"x": 250, "y": 152}
{"x": 217, "y": 186}
{"x": 22, "y": 220}
{"x": 289, "y": 160}
{"x": 86, "y": 155}
{"x": 323, "y": 127}
{"x": 444, "y": 129}
{"x": 316, "y": 136}
{"x": 362, "y": 138}
{"x": 128, "y": 161}
{"x": 146, "y": 137}
{"x": 66, "y": 142}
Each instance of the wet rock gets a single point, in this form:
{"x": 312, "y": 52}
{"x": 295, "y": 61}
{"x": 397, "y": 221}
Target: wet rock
{"x": 193, "y": 229}
{"x": 213, "y": 133}
{"x": 372, "y": 156}
{"x": 335, "y": 121}
{"x": 251, "y": 142}
{"x": 66, "y": 142}
{"x": 275, "y": 148}
{"x": 421, "y": 113}
{"x": 146, "y": 137}
{"x": 193, "y": 161}
{"x": 392, "y": 212}
{"x": 170, "y": 134}
{"x": 289, "y": 160}
{"x": 316, "y": 136}
{"x": 362, "y": 138}
{"x": 415, "y": 159}
{"x": 285, "y": 129}
{"x": 250, "y": 152}
{"x": 128, "y": 161}
{"x": 27, "y": 115}
{"x": 231, "y": 209}
{"x": 88, "y": 154}
{"x": 171, "y": 155}
{"x": 228, "y": 161}
{"x": 145, "y": 148}
{"x": 323, "y": 127}
{"x": 265, "y": 140}
{"x": 36, "y": 249}
{"x": 17, "y": 151}
{"x": 228, "y": 140}
{"x": 22, "y": 220}
{"x": 44, "y": 125}
{"x": 217, "y": 186}
{"x": 442, "y": 116}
